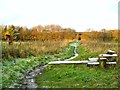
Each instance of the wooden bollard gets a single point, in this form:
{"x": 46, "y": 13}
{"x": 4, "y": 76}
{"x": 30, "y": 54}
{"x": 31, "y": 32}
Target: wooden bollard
{"x": 102, "y": 62}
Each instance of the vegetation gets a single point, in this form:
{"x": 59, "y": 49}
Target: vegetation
{"x": 77, "y": 76}
{"x": 48, "y": 32}
{"x": 81, "y": 76}
{"x": 17, "y": 68}
{"x": 102, "y": 35}
{"x": 100, "y": 46}
{"x": 89, "y": 48}
{"x": 14, "y": 72}
{"x": 84, "y": 54}
{"x": 0, "y": 64}
{"x": 36, "y": 46}
{"x": 31, "y": 48}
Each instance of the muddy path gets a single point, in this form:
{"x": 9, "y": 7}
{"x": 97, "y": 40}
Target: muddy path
{"x": 29, "y": 80}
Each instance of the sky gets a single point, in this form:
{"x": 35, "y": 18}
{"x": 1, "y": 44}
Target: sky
{"x": 77, "y": 14}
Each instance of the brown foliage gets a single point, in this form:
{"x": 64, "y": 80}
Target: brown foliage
{"x": 48, "y": 32}
{"x": 103, "y": 35}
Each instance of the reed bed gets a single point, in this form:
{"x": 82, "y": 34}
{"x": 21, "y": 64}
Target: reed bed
{"x": 99, "y": 46}
{"x": 32, "y": 48}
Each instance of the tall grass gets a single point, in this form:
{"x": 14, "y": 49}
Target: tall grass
{"x": 88, "y": 49}
{"x": 31, "y": 48}
{"x": 99, "y": 46}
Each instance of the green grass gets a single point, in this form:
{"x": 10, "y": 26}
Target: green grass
{"x": 84, "y": 54}
{"x": 77, "y": 76}
{"x": 69, "y": 53}
{"x": 0, "y": 75}
{"x": 12, "y": 73}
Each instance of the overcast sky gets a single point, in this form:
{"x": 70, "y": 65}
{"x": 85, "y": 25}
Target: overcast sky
{"x": 77, "y": 14}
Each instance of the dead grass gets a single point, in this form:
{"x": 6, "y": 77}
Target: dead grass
{"x": 99, "y": 46}
{"x": 32, "y": 48}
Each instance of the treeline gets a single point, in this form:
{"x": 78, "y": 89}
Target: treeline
{"x": 48, "y": 32}
{"x": 102, "y": 35}
{"x": 55, "y": 32}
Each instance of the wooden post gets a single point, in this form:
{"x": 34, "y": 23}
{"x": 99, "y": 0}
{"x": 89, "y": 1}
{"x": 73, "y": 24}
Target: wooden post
{"x": 79, "y": 36}
{"x": 102, "y": 62}
{"x": 8, "y": 37}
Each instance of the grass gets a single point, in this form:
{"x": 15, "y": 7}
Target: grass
{"x": 71, "y": 76}
{"x": 69, "y": 53}
{"x": 89, "y": 49}
{"x": 99, "y": 46}
{"x": 84, "y": 54}
{"x": 81, "y": 76}
{"x": 0, "y": 75}
{"x": 31, "y": 48}
{"x": 77, "y": 76}
{"x": 17, "y": 68}
{"x": 15, "y": 71}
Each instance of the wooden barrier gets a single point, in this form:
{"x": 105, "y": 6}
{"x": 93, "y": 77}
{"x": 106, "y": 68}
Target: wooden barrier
{"x": 110, "y": 57}
{"x": 103, "y": 60}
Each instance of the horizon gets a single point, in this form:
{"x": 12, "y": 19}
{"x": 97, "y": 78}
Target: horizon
{"x": 76, "y": 14}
